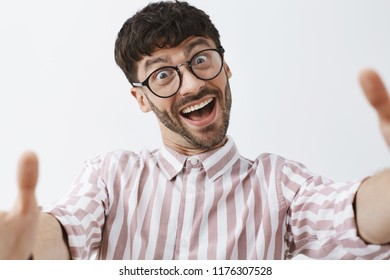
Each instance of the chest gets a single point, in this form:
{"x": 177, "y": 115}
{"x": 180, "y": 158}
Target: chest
{"x": 192, "y": 217}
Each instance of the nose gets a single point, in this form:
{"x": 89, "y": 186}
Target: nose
{"x": 190, "y": 84}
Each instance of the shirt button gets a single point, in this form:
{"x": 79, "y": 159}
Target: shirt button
{"x": 183, "y": 243}
{"x": 194, "y": 161}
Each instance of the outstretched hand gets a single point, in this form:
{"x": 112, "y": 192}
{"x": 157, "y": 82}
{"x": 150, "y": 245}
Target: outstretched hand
{"x": 18, "y": 227}
{"x": 378, "y": 97}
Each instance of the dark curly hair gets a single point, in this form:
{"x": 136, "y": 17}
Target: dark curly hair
{"x": 159, "y": 25}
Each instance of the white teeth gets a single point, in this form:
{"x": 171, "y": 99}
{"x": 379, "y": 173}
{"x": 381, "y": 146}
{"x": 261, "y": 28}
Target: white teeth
{"x": 197, "y": 106}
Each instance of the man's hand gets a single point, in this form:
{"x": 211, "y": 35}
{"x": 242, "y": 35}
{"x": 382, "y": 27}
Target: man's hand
{"x": 372, "y": 201}
{"x": 18, "y": 228}
{"x": 378, "y": 97}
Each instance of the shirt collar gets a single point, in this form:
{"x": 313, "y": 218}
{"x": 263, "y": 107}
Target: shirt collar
{"x": 215, "y": 162}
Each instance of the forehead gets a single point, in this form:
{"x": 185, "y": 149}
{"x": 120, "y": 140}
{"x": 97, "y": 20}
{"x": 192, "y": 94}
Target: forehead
{"x": 168, "y": 55}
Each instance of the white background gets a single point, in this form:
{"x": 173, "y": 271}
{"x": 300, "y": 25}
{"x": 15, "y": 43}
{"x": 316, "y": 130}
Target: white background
{"x": 295, "y": 89}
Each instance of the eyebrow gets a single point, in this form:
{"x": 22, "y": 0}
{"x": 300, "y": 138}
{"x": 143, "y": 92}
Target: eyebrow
{"x": 195, "y": 43}
{"x": 187, "y": 51}
{"x": 155, "y": 60}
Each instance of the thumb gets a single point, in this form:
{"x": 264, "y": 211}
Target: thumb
{"x": 376, "y": 93}
{"x": 27, "y": 179}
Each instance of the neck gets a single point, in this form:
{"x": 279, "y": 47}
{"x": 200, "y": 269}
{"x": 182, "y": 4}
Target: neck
{"x": 187, "y": 149}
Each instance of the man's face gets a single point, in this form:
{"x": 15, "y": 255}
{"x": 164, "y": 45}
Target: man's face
{"x": 196, "y": 118}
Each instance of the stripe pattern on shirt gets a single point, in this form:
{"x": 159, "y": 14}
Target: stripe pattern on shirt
{"x": 217, "y": 205}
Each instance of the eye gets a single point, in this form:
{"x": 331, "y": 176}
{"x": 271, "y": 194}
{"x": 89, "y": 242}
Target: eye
{"x": 163, "y": 76}
{"x": 200, "y": 59}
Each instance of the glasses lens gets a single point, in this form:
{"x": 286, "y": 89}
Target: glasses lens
{"x": 207, "y": 64}
{"x": 164, "y": 81}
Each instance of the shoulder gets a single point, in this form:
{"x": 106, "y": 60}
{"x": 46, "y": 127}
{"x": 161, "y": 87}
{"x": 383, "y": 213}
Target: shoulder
{"x": 269, "y": 162}
{"x": 282, "y": 169}
{"x": 120, "y": 159}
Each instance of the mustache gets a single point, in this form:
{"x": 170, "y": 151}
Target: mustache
{"x": 202, "y": 93}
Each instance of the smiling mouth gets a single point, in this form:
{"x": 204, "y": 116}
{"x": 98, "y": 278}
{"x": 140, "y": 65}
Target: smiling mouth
{"x": 199, "y": 111}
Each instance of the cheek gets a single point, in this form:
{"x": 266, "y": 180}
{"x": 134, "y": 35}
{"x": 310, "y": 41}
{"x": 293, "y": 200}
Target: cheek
{"x": 162, "y": 105}
{"x": 222, "y": 79}
{"x": 166, "y": 106}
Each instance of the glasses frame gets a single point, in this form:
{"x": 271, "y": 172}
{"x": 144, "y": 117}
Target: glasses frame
{"x": 220, "y": 50}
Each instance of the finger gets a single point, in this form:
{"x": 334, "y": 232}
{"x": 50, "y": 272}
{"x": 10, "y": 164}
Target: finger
{"x": 27, "y": 176}
{"x": 376, "y": 93}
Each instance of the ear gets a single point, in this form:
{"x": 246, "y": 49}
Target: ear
{"x": 227, "y": 70}
{"x": 141, "y": 98}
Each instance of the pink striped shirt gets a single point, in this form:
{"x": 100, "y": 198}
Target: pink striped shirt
{"x": 217, "y": 205}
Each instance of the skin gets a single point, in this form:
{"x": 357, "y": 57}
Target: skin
{"x": 175, "y": 129}
{"x": 23, "y": 217}
{"x": 24, "y": 230}
{"x": 373, "y": 197}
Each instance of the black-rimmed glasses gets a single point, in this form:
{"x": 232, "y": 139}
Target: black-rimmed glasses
{"x": 166, "y": 81}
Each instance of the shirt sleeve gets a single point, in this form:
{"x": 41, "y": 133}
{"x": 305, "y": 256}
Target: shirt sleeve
{"x": 321, "y": 218}
{"x": 82, "y": 211}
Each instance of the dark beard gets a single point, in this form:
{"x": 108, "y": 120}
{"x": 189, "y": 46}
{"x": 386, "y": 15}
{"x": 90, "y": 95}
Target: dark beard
{"x": 203, "y": 142}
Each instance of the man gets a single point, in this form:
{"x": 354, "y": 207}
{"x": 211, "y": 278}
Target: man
{"x": 197, "y": 197}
